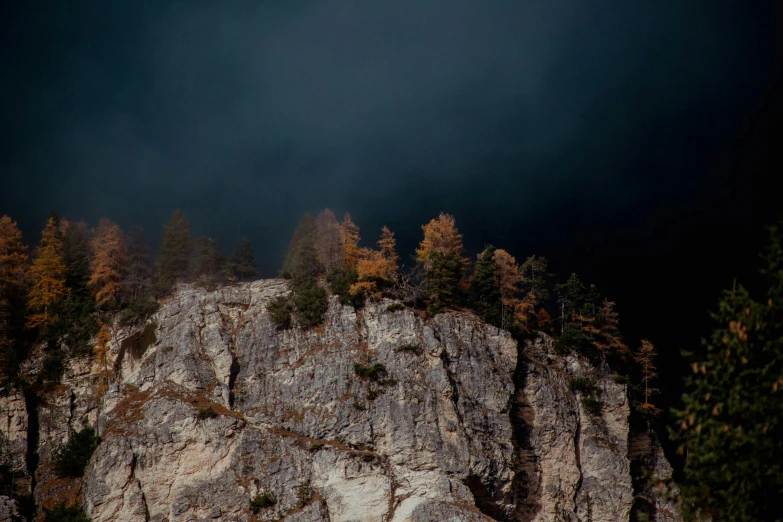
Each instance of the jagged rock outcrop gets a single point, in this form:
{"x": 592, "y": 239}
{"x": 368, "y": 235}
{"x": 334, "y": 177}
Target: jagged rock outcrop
{"x": 13, "y": 442}
{"x": 208, "y": 405}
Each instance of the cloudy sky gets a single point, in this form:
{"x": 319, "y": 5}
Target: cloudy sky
{"x": 612, "y": 137}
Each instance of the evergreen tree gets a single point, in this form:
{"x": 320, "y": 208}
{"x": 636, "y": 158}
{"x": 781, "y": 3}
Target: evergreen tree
{"x": 485, "y": 290}
{"x": 329, "y": 239}
{"x": 305, "y": 234}
{"x": 534, "y": 273}
{"x": 208, "y": 262}
{"x": 13, "y": 282}
{"x": 309, "y": 298}
{"x": 47, "y": 277}
{"x": 138, "y": 275}
{"x": 109, "y": 264}
{"x": 76, "y": 255}
{"x": 532, "y": 286}
{"x": 731, "y": 426}
{"x": 172, "y": 261}
{"x": 241, "y": 266}
{"x": 303, "y": 267}
{"x": 571, "y": 297}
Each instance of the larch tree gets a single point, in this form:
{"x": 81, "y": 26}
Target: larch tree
{"x": 109, "y": 264}
{"x": 242, "y": 264}
{"x": 172, "y": 262}
{"x": 534, "y": 292}
{"x": 515, "y": 311}
{"x": 730, "y": 429}
{"x": 47, "y": 278}
{"x": 329, "y": 238}
{"x": 13, "y": 282}
{"x": 645, "y": 358}
{"x": 349, "y": 232}
{"x": 376, "y": 269}
{"x": 609, "y": 340}
{"x": 440, "y": 251}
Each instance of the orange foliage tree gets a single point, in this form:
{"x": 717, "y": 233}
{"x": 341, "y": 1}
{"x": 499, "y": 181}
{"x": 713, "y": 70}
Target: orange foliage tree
{"x": 645, "y": 358}
{"x": 47, "y": 277}
{"x": 13, "y": 278}
{"x": 610, "y": 342}
{"x": 109, "y": 262}
{"x": 349, "y": 234}
{"x": 508, "y": 276}
{"x": 376, "y": 266}
{"x": 440, "y": 252}
{"x": 440, "y": 238}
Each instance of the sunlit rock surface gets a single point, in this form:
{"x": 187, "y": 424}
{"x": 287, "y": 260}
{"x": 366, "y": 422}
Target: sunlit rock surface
{"x": 208, "y": 405}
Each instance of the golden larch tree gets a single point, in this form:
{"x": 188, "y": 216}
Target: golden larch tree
{"x": 349, "y": 232}
{"x": 645, "y": 358}
{"x": 109, "y": 262}
{"x": 13, "y": 278}
{"x": 13, "y": 260}
{"x": 609, "y": 340}
{"x": 442, "y": 238}
{"x": 47, "y": 278}
{"x": 508, "y": 278}
{"x": 376, "y": 266}
{"x": 388, "y": 246}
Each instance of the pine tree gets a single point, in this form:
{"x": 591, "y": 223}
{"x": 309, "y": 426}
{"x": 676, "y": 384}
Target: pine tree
{"x": 571, "y": 297}
{"x": 76, "y": 255}
{"x": 305, "y": 236}
{"x": 208, "y": 262}
{"x": 109, "y": 264}
{"x": 47, "y": 277}
{"x": 303, "y": 267}
{"x": 172, "y": 261}
{"x": 731, "y": 426}
{"x": 137, "y": 280}
{"x": 485, "y": 289}
{"x": 13, "y": 282}
{"x": 534, "y": 273}
{"x": 242, "y": 264}
{"x": 309, "y": 298}
{"x": 532, "y": 286}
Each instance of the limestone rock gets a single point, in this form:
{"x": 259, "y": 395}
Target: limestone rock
{"x": 208, "y": 405}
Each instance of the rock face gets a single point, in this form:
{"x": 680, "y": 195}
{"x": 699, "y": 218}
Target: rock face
{"x": 13, "y": 442}
{"x": 208, "y": 406}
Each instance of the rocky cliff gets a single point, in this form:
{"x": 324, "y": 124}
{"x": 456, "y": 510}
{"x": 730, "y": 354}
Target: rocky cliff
{"x": 207, "y": 406}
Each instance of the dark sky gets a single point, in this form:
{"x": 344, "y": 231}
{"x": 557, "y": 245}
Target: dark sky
{"x": 627, "y": 141}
